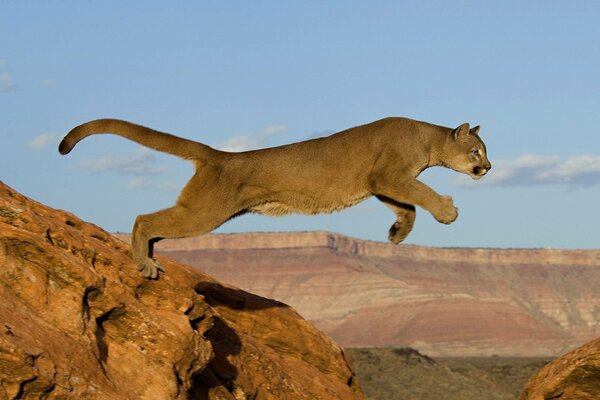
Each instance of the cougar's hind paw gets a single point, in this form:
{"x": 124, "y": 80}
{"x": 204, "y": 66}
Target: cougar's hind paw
{"x": 150, "y": 269}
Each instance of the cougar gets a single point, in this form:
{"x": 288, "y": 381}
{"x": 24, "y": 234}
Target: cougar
{"x": 381, "y": 159}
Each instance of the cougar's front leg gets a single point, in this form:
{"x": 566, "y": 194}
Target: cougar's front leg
{"x": 415, "y": 192}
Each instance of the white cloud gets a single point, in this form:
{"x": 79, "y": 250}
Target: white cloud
{"x": 43, "y": 141}
{"x": 6, "y": 82}
{"x": 141, "y": 165}
{"x": 533, "y": 169}
{"x": 252, "y": 142}
{"x": 140, "y": 162}
{"x": 273, "y": 130}
{"x": 240, "y": 143}
{"x": 320, "y": 134}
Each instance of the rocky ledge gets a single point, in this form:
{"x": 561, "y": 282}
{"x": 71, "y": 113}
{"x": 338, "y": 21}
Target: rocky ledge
{"x": 574, "y": 376}
{"x": 78, "y": 321}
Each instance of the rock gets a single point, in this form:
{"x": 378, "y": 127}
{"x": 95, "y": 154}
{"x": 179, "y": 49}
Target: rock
{"x": 574, "y": 376}
{"x": 78, "y": 321}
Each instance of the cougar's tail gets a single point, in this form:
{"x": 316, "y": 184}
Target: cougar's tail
{"x": 156, "y": 140}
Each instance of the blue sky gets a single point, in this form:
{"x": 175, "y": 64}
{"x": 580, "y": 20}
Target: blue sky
{"x": 241, "y": 75}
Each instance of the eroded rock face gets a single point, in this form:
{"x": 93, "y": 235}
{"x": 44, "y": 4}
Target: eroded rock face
{"x": 574, "y": 376}
{"x": 78, "y": 321}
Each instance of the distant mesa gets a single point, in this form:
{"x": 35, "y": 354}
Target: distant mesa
{"x": 441, "y": 301}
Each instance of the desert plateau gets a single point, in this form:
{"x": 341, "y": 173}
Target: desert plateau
{"x": 441, "y": 301}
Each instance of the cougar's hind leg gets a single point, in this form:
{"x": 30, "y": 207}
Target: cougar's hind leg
{"x": 143, "y": 238}
{"x": 201, "y": 208}
{"x": 171, "y": 223}
{"x": 405, "y": 219}
{"x": 205, "y": 203}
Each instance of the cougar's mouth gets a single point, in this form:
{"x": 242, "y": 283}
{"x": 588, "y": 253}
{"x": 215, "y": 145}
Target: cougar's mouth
{"x": 478, "y": 172}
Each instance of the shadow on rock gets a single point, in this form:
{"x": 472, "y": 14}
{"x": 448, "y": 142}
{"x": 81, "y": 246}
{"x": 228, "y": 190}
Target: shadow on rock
{"x": 218, "y": 378}
{"x": 237, "y": 299}
{"x": 219, "y": 374}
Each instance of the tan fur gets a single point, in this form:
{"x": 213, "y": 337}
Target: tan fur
{"x": 381, "y": 159}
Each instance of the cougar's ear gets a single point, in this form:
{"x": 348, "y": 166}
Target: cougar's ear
{"x": 474, "y": 131}
{"x": 462, "y": 130}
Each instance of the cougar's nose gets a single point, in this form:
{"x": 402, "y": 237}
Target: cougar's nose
{"x": 488, "y": 166}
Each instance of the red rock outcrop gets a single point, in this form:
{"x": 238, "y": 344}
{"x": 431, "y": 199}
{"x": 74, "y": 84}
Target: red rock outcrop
{"x": 574, "y": 376}
{"x": 442, "y": 301}
{"x": 78, "y": 321}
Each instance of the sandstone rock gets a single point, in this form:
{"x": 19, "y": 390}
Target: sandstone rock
{"x": 574, "y": 376}
{"x": 78, "y": 321}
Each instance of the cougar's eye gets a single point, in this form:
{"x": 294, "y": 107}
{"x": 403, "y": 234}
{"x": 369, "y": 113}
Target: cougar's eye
{"x": 475, "y": 152}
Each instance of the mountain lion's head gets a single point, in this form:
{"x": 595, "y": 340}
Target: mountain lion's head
{"x": 465, "y": 152}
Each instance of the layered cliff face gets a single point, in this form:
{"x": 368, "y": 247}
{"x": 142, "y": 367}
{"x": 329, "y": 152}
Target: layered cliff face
{"x": 78, "y": 321}
{"x": 443, "y": 301}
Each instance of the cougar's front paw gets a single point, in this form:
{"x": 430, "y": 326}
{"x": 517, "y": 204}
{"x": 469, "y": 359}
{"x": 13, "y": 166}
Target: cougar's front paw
{"x": 149, "y": 268}
{"x": 447, "y": 213}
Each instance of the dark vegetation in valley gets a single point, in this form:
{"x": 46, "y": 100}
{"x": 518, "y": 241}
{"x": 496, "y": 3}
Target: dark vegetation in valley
{"x": 406, "y": 374}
